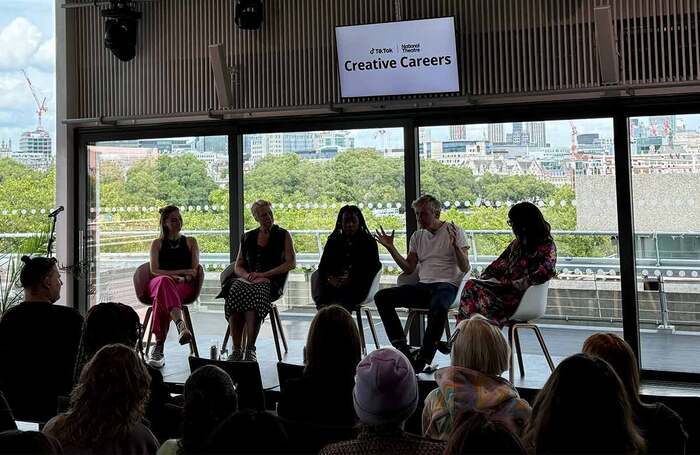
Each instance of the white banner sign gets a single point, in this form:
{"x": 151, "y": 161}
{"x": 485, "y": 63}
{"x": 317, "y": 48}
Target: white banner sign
{"x": 398, "y": 58}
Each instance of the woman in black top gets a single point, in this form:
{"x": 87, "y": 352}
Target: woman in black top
{"x": 265, "y": 257}
{"x": 349, "y": 263}
{"x": 174, "y": 264}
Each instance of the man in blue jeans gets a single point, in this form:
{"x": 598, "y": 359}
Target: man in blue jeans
{"x": 439, "y": 250}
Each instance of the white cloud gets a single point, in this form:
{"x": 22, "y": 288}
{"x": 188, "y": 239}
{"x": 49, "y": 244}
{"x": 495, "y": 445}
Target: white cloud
{"x": 19, "y": 41}
{"x": 45, "y": 56}
{"x": 13, "y": 91}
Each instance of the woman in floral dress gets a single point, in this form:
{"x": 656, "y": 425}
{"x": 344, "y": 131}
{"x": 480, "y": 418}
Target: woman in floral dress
{"x": 529, "y": 259}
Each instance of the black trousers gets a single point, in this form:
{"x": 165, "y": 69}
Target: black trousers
{"x": 435, "y": 297}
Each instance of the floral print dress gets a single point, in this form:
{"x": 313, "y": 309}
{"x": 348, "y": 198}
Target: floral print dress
{"x": 499, "y": 289}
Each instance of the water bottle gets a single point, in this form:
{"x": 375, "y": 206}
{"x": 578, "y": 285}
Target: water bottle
{"x": 214, "y": 350}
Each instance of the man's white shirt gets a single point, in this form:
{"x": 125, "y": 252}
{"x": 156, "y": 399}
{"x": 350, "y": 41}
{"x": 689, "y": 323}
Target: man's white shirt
{"x": 437, "y": 262}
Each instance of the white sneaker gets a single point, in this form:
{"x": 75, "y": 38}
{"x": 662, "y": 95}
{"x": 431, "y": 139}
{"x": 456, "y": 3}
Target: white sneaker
{"x": 157, "y": 358}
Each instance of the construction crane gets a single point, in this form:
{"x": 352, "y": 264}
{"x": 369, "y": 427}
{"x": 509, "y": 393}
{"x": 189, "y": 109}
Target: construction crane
{"x": 40, "y": 105}
{"x": 574, "y": 147}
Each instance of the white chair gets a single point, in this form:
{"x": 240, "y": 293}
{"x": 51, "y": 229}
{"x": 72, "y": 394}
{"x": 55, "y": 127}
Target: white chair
{"x": 532, "y": 306}
{"x": 412, "y": 278}
{"x": 364, "y": 306}
{"x": 275, "y": 321}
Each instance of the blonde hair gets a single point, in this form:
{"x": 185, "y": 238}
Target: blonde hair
{"x": 428, "y": 200}
{"x": 480, "y": 346}
{"x": 256, "y": 205}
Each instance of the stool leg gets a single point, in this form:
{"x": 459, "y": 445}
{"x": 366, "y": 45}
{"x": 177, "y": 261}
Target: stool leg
{"x": 409, "y": 322}
{"x": 226, "y": 335}
{"x": 281, "y": 329}
{"x": 511, "y": 373}
{"x": 273, "y": 323}
{"x": 518, "y": 351}
{"x": 188, "y": 321}
{"x": 447, "y": 328}
{"x": 543, "y": 346}
{"x": 361, "y": 331}
{"x": 368, "y": 312}
{"x": 146, "y": 320}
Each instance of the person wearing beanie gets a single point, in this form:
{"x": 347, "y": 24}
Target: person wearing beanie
{"x": 40, "y": 340}
{"x": 385, "y": 396}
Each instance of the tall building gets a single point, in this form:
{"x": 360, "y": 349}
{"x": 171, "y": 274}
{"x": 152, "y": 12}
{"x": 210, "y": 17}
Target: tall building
{"x": 34, "y": 148}
{"x": 536, "y": 134}
{"x": 458, "y": 132}
{"x": 517, "y": 135}
{"x": 495, "y": 133}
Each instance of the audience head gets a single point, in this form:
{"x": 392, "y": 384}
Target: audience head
{"x": 479, "y": 345}
{"x": 210, "y": 397}
{"x": 40, "y": 279}
{"x": 262, "y": 212}
{"x": 107, "y": 323}
{"x": 619, "y": 355}
{"x": 333, "y": 344}
{"x": 529, "y": 225}
{"x": 108, "y": 401}
{"x": 29, "y": 442}
{"x": 427, "y": 210}
{"x": 386, "y": 389}
{"x": 583, "y": 408}
{"x": 248, "y": 432}
{"x": 350, "y": 221}
{"x": 170, "y": 221}
{"x": 475, "y": 432}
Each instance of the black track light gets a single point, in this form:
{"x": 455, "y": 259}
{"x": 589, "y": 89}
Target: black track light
{"x": 249, "y": 14}
{"x": 121, "y": 25}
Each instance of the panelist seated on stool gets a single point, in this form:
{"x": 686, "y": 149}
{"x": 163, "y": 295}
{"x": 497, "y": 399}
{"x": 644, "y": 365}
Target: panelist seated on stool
{"x": 175, "y": 279}
{"x": 265, "y": 257}
{"x": 530, "y": 259}
{"x": 440, "y": 249}
{"x": 349, "y": 263}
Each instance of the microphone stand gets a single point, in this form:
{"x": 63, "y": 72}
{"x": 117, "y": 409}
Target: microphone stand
{"x": 52, "y": 237}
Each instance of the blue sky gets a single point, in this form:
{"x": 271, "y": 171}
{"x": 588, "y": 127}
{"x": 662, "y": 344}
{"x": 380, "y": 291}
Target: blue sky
{"x": 27, "y": 41}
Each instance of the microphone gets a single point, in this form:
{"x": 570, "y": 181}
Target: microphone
{"x": 56, "y": 211}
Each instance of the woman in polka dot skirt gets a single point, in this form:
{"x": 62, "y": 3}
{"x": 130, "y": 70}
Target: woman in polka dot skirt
{"x": 265, "y": 257}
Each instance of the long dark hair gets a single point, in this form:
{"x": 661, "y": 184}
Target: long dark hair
{"x": 210, "y": 397}
{"x": 583, "y": 408}
{"x": 333, "y": 344}
{"x": 476, "y": 432}
{"x": 164, "y": 213}
{"x": 108, "y": 402}
{"x": 529, "y": 223}
{"x": 355, "y": 210}
{"x": 107, "y": 323}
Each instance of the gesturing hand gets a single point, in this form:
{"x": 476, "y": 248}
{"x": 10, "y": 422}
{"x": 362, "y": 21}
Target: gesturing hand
{"x": 384, "y": 239}
{"x": 452, "y": 231}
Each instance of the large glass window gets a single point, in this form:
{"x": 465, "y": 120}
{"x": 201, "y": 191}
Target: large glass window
{"x": 27, "y": 135}
{"x": 309, "y": 176}
{"x": 665, "y": 156}
{"x": 128, "y": 182}
{"x": 480, "y": 171}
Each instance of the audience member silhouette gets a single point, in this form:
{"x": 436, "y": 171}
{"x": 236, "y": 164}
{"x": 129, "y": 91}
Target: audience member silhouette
{"x": 210, "y": 398}
{"x": 477, "y": 432}
{"x": 14, "y": 442}
{"x": 116, "y": 323}
{"x": 107, "y": 406}
{"x": 529, "y": 259}
{"x": 349, "y": 263}
{"x": 248, "y": 432}
{"x": 265, "y": 256}
{"x": 438, "y": 252}
{"x": 37, "y": 339}
{"x": 174, "y": 269}
{"x": 324, "y": 394}
{"x": 583, "y": 408}
{"x": 474, "y": 383}
{"x": 386, "y": 395}
{"x": 660, "y": 426}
